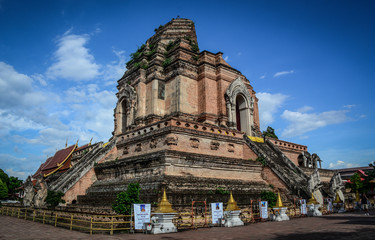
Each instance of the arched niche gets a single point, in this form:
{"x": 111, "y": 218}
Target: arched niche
{"x": 240, "y": 107}
{"x": 125, "y": 109}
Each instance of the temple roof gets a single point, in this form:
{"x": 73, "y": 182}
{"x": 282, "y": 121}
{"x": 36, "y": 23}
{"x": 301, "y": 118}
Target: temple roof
{"x": 60, "y": 161}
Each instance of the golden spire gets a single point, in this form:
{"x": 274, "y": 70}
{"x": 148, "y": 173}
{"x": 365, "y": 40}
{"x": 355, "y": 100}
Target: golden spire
{"x": 232, "y": 205}
{"x": 337, "y": 199}
{"x": 279, "y": 203}
{"x": 90, "y": 141}
{"x": 312, "y": 200}
{"x": 66, "y": 143}
{"x": 164, "y": 205}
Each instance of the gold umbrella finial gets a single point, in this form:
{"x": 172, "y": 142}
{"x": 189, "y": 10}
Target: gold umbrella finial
{"x": 312, "y": 200}
{"x": 164, "y": 206}
{"x": 279, "y": 203}
{"x": 232, "y": 205}
{"x": 337, "y": 199}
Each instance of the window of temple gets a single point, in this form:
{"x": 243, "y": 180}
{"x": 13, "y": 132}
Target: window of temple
{"x": 241, "y": 110}
{"x": 161, "y": 90}
{"x": 123, "y": 115}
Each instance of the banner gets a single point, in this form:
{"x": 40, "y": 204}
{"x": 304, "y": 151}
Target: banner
{"x": 217, "y": 212}
{"x": 263, "y": 209}
{"x": 303, "y": 206}
{"x": 142, "y": 214}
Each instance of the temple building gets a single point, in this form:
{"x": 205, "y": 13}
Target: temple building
{"x": 188, "y": 122}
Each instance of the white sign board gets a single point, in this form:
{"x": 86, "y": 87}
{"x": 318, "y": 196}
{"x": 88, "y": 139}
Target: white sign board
{"x": 329, "y": 205}
{"x": 142, "y": 214}
{"x": 303, "y": 206}
{"x": 217, "y": 212}
{"x": 263, "y": 209}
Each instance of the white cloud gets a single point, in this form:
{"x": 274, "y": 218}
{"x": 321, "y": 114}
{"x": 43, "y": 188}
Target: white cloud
{"x": 10, "y": 122}
{"x": 278, "y": 74}
{"x": 239, "y": 53}
{"x": 305, "y": 109}
{"x": 300, "y": 123}
{"x": 114, "y": 70}
{"x": 16, "y": 89}
{"x": 341, "y": 164}
{"x": 349, "y": 106}
{"x": 40, "y": 78}
{"x": 263, "y": 76}
{"x": 268, "y": 106}
{"x": 73, "y": 60}
{"x": 226, "y": 58}
{"x": 19, "y": 174}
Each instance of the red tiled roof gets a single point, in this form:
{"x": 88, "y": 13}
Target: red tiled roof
{"x": 82, "y": 147}
{"x": 58, "y": 158}
{"x": 60, "y": 161}
{"x": 39, "y": 171}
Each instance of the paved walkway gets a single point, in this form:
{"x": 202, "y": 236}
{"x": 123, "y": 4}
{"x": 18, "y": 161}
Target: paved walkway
{"x": 336, "y": 226}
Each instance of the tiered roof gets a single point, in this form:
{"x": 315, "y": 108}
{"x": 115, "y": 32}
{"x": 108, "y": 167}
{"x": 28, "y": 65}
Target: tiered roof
{"x": 60, "y": 162}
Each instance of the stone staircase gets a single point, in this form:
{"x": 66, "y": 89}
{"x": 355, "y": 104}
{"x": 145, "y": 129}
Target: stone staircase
{"x": 296, "y": 180}
{"x": 74, "y": 174}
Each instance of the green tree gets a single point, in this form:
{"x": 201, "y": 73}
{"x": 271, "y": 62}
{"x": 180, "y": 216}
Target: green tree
{"x": 14, "y": 183}
{"x": 124, "y": 200}
{"x": 270, "y": 133}
{"x": 356, "y": 183}
{"x": 4, "y": 177}
{"x": 3, "y": 190}
{"x": 54, "y": 198}
{"x": 270, "y": 197}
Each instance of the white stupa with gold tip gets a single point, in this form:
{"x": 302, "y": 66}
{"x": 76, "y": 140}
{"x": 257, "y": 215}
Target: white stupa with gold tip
{"x": 280, "y": 210}
{"x": 163, "y": 216}
{"x": 232, "y": 214}
{"x": 313, "y": 207}
{"x": 338, "y": 204}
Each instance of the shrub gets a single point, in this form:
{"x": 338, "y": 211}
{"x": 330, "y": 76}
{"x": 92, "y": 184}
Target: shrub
{"x": 262, "y": 161}
{"x": 124, "y": 200}
{"x": 166, "y": 62}
{"x": 270, "y": 197}
{"x": 270, "y": 133}
{"x": 54, "y": 198}
{"x": 220, "y": 190}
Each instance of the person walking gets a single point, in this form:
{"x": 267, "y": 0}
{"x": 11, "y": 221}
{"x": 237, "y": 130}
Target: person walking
{"x": 364, "y": 204}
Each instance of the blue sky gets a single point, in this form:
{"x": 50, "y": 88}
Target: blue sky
{"x": 311, "y": 63}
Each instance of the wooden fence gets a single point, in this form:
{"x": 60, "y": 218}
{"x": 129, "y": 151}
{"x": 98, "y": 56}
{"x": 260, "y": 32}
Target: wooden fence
{"x": 92, "y": 223}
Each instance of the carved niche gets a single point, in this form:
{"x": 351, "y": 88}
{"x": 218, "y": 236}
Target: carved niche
{"x": 238, "y": 90}
{"x": 194, "y": 142}
{"x": 171, "y": 140}
{"x": 214, "y": 145}
{"x": 153, "y": 143}
{"x": 138, "y": 148}
{"x": 230, "y": 147}
{"x": 126, "y": 108}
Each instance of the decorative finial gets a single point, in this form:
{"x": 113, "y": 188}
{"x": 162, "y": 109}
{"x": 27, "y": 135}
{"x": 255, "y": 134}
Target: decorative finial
{"x": 279, "y": 203}
{"x": 90, "y": 141}
{"x": 66, "y": 143}
{"x": 312, "y": 200}
{"x": 164, "y": 205}
{"x": 232, "y": 205}
{"x": 337, "y": 199}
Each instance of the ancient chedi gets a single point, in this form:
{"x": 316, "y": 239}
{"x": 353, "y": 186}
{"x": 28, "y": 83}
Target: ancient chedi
{"x": 188, "y": 122}
{"x": 182, "y": 123}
